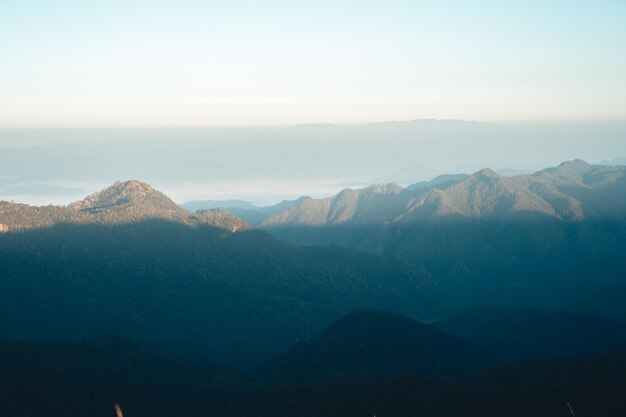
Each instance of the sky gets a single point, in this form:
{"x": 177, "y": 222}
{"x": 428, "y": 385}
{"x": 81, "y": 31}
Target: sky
{"x": 75, "y": 63}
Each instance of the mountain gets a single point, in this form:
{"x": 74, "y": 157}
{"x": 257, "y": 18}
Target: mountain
{"x": 327, "y": 330}
{"x": 571, "y": 191}
{"x": 440, "y": 181}
{"x": 354, "y": 206}
{"x": 252, "y": 214}
{"x": 530, "y": 334}
{"x": 122, "y": 202}
{"x": 126, "y": 263}
{"x": 128, "y": 196}
{"x": 616, "y": 161}
{"x": 526, "y": 242}
{"x": 374, "y": 343}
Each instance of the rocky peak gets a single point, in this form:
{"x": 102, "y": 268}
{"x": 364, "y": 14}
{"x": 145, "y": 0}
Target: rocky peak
{"x": 577, "y": 167}
{"x": 124, "y": 193}
{"x": 121, "y": 203}
{"x": 486, "y": 173}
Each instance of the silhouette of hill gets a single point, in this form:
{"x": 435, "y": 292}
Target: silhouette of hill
{"x": 213, "y": 204}
{"x": 374, "y": 343}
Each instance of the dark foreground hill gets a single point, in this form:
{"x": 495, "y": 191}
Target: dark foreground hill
{"x": 591, "y": 385}
{"x": 86, "y": 379}
{"x": 531, "y": 334}
{"x": 374, "y": 343}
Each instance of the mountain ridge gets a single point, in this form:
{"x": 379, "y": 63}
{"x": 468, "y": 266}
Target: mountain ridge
{"x": 567, "y": 192}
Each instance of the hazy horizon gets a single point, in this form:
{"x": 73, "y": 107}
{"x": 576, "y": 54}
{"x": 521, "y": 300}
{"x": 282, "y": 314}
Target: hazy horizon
{"x": 266, "y": 165}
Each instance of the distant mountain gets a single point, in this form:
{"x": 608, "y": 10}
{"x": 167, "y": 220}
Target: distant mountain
{"x": 531, "y": 334}
{"x": 122, "y": 202}
{"x": 440, "y": 181}
{"x": 245, "y": 210}
{"x": 616, "y": 161}
{"x": 259, "y": 214}
{"x": 374, "y": 343}
{"x": 358, "y": 206}
{"x": 574, "y": 190}
{"x": 223, "y": 204}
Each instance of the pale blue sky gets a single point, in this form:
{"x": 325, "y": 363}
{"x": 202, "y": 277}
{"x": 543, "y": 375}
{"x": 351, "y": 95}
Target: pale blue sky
{"x": 193, "y": 63}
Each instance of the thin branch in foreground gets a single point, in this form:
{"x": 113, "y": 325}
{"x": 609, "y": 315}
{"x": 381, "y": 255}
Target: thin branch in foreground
{"x": 566, "y": 402}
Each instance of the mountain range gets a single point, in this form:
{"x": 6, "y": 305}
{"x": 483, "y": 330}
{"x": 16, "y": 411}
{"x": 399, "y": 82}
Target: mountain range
{"x": 477, "y": 295}
{"x": 529, "y": 241}
{"x": 572, "y": 191}
{"x": 129, "y": 262}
